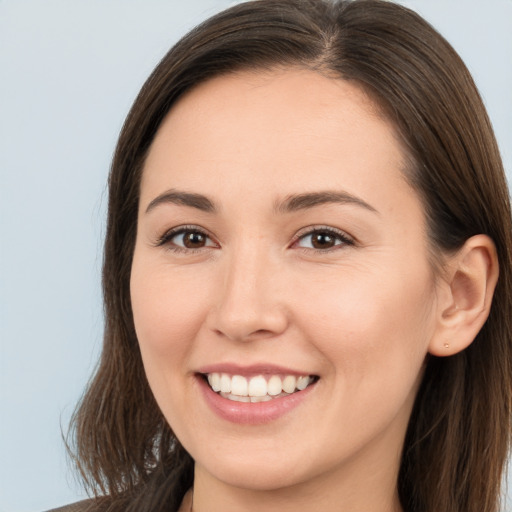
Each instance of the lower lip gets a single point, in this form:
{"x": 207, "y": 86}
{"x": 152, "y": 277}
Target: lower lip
{"x": 248, "y": 413}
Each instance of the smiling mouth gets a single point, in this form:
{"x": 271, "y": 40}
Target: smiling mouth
{"x": 260, "y": 388}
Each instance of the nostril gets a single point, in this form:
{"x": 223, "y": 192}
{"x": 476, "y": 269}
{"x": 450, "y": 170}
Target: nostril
{"x": 239, "y": 334}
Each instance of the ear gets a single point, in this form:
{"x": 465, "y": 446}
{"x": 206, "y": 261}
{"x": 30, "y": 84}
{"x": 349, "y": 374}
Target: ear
{"x": 464, "y": 296}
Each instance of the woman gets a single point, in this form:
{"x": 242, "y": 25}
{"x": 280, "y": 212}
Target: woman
{"x": 307, "y": 220}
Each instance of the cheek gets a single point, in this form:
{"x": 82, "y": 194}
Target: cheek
{"x": 373, "y": 334}
{"x": 167, "y": 312}
{"x": 373, "y": 328}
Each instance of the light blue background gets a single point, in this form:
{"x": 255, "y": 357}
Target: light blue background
{"x": 69, "y": 71}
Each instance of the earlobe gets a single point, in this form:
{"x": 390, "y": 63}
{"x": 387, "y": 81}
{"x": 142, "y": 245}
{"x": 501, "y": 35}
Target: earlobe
{"x": 466, "y": 296}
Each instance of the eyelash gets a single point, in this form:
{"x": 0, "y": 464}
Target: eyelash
{"x": 165, "y": 239}
{"x": 339, "y": 236}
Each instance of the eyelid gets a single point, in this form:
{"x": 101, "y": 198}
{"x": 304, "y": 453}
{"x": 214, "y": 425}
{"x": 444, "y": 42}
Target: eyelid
{"x": 163, "y": 240}
{"x": 168, "y": 235}
{"x": 346, "y": 239}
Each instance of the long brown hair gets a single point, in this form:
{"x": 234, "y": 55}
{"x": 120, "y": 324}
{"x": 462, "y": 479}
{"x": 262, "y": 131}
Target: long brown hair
{"x": 458, "y": 436}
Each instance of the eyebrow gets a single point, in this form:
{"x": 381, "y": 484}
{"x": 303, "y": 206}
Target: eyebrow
{"x": 184, "y": 199}
{"x": 291, "y": 203}
{"x": 308, "y": 200}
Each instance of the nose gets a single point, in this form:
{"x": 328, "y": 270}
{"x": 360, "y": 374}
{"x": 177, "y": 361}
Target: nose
{"x": 250, "y": 304}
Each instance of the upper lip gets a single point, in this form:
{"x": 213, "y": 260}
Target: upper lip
{"x": 251, "y": 370}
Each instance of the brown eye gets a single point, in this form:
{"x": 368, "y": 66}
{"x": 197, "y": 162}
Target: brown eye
{"x": 194, "y": 240}
{"x": 184, "y": 239}
{"x": 323, "y": 239}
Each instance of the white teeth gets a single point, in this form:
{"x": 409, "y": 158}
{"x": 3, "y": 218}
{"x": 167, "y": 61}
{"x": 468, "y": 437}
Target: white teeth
{"x": 225, "y": 383}
{"x": 265, "y": 398}
{"x": 239, "y": 385}
{"x": 289, "y": 383}
{"x": 235, "y": 398}
{"x": 258, "y": 388}
{"x": 214, "y": 381}
{"x": 274, "y": 385}
{"x": 302, "y": 383}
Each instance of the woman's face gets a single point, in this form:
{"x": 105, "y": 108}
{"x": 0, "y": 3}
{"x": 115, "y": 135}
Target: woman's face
{"x": 279, "y": 246}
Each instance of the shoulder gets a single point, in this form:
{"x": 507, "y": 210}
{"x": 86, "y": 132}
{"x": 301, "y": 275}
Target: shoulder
{"x": 79, "y": 506}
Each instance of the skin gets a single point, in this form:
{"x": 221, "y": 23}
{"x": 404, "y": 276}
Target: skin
{"x": 362, "y": 315}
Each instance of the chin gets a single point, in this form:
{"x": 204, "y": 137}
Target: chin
{"x": 256, "y": 477}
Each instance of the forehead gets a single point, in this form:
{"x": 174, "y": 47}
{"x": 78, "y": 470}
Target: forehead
{"x": 294, "y": 129}
{"x": 293, "y": 98}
